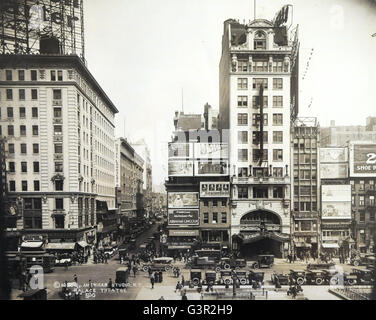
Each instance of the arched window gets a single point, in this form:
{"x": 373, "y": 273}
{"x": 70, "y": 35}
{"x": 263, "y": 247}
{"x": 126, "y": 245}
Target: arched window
{"x": 260, "y": 40}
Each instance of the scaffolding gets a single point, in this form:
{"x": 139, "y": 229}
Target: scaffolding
{"x": 23, "y": 23}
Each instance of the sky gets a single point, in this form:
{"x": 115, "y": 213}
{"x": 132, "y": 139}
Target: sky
{"x": 145, "y": 52}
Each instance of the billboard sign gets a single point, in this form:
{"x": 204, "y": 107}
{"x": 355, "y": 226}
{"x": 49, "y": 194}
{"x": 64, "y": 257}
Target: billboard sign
{"x": 183, "y": 217}
{"x": 180, "y": 150}
{"x": 211, "y": 150}
{"x": 333, "y": 171}
{"x": 333, "y": 155}
{"x": 211, "y": 168}
{"x": 183, "y": 200}
{"x": 336, "y": 201}
{"x": 363, "y": 160}
{"x": 215, "y": 189}
{"x": 182, "y": 168}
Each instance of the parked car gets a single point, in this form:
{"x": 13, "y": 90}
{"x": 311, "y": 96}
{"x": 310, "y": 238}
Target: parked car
{"x": 363, "y": 260}
{"x": 255, "y": 276}
{"x": 363, "y": 276}
{"x": 228, "y": 263}
{"x": 264, "y": 261}
{"x": 202, "y": 263}
{"x": 318, "y": 277}
{"x": 159, "y": 264}
{"x": 210, "y": 277}
{"x": 299, "y": 276}
{"x": 282, "y": 278}
{"x": 63, "y": 261}
{"x": 242, "y": 276}
{"x": 121, "y": 277}
{"x": 225, "y": 277}
{"x": 196, "y": 277}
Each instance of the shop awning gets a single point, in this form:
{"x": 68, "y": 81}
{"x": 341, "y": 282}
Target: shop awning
{"x": 179, "y": 247}
{"x": 61, "y": 246}
{"x": 32, "y": 244}
{"x": 303, "y": 245}
{"x": 330, "y": 245}
{"x": 82, "y": 244}
{"x": 183, "y": 233}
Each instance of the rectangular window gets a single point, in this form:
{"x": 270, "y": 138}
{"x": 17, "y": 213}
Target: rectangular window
{"x": 242, "y": 83}
{"x": 277, "y": 83}
{"x": 277, "y": 192}
{"x": 277, "y": 136}
{"x": 60, "y": 75}
{"x": 260, "y": 81}
{"x": 242, "y": 119}
{"x": 256, "y": 117}
{"x": 24, "y": 167}
{"x": 242, "y": 137}
{"x": 21, "y": 75}
{"x": 278, "y": 172}
{"x": 22, "y": 112}
{"x": 34, "y": 75}
{"x": 23, "y": 148}
{"x": 36, "y": 166}
{"x": 34, "y": 112}
{"x": 215, "y": 217}
{"x": 362, "y": 216}
{"x": 53, "y": 75}
{"x": 242, "y": 192}
{"x": 24, "y": 185}
{"x": 11, "y": 167}
{"x": 9, "y": 93}
{"x": 215, "y": 203}
{"x": 277, "y": 101}
{"x": 242, "y": 154}
{"x": 21, "y": 94}
{"x": 59, "y": 185}
{"x": 242, "y": 172}
{"x": 361, "y": 185}
{"x": 23, "y": 130}
{"x": 58, "y": 148}
{"x": 10, "y": 130}
{"x": 257, "y": 155}
{"x": 58, "y": 167}
{"x": 361, "y": 201}
{"x": 256, "y": 102}
{"x": 36, "y": 185}
{"x": 206, "y": 217}
{"x": 242, "y": 65}
{"x": 277, "y": 66}
{"x": 242, "y": 101}
{"x": 256, "y": 138}
{"x": 34, "y": 94}
{"x": 371, "y": 200}
{"x": 35, "y": 130}
{"x": 260, "y": 66}
{"x": 11, "y": 148}
{"x": 59, "y": 222}
{"x": 277, "y": 119}
{"x": 35, "y": 148}
{"x": 9, "y": 75}
{"x": 277, "y": 155}
{"x": 10, "y": 112}
{"x": 12, "y": 186}
{"x": 224, "y": 203}
{"x": 57, "y": 113}
{"x": 372, "y": 216}
{"x": 57, "y": 94}
{"x": 58, "y": 130}
{"x": 59, "y": 204}
{"x": 224, "y": 217}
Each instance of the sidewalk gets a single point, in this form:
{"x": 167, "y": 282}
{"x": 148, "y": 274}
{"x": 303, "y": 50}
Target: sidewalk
{"x": 168, "y": 293}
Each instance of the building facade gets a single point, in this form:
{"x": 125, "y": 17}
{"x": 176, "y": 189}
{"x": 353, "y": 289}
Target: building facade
{"x": 59, "y": 126}
{"x": 258, "y": 101}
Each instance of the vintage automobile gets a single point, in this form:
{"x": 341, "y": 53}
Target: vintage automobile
{"x": 196, "y": 277}
{"x": 225, "y": 277}
{"x": 332, "y": 276}
{"x": 121, "y": 277}
{"x": 318, "y": 277}
{"x": 263, "y": 261}
{"x": 34, "y": 294}
{"x": 109, "y": 251}
{"x": 298, "y": 276}
{"x": 282, "y": 278}
{"x": 228, "y": 263}
{"x": 197, "y": 262}
{"x": 350, "y": 279}
{"x": 362, "y": 259}
{"x": 364, "y": 277}
{"x": 255, "y": 276}
{"x": 63, "y": 260}
{"x": 210, "y": 278}
{"x": 159, "y": 264}
{"x": 242, "y": 277}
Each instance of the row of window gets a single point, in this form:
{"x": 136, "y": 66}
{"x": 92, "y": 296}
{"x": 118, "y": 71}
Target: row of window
{"x": 243, "y": 155}
{"x": 305, "y": 206}
{"x": 35, "y": 130}
{"x": 214, "y": 217}
{"x": 256, "y": 119}
{"x": 243, "y": 137}
{"x": 362, "y": 216}
{"x": 277, "y": 101}
{"x": 22, "y": 112}
{"x": 260, "y": 172}
{"x": 214, "y": 203}
{"x": 55, "y": 75}
{"x": 21, "y": 94}
{"x": 59, "y": 185}
{"x": 363, "y": 185}
{"x": 256, "y": 83}
{"x": 259, "y": 66}
{"x": 259, "y": 192}
{"x": 363, "y": 201}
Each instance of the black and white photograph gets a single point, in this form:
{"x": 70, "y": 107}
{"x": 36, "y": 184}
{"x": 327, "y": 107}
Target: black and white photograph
{"x": 200, "y": 150}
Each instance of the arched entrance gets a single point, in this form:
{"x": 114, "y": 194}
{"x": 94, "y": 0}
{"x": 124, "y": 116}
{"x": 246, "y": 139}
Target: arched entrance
{"x": 260, "y": 233}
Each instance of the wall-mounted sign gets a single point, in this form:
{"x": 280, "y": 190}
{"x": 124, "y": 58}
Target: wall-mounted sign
{"x": 183, "y": 200}
{"x": 211, "y": 168}
{"x": 211, "y": 150}
{"x": 183, "y": 233}
{"x": 336, "y": 210}
{"x": 183, "y": 217}
{"x": 180, "y": 150}
{"x": 215, "y": 189}
{"x": 334, "y": 171}
{"x": 336, "y": 201}
{"x": 333, "y": 155}
{"x": 182, "y": 168}
{"x": 363, "y": 160}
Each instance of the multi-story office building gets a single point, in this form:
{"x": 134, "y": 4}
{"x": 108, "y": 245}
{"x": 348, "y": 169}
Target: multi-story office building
{"x": 59, "y": 125}
{"x": 258, "y": 100}
{"x": 306, "y": 187}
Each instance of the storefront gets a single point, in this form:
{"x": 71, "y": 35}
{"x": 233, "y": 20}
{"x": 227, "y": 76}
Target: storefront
{"x": 181, "y": 240}
{"x": 215, "y": 235}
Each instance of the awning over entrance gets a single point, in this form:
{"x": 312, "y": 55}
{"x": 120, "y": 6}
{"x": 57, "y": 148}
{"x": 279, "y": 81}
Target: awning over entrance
{"x": 32, "y": 244}
{"x": 256, "y": 236}
{"x": 82, "y": 244}
{"x": 61, "y": 246}
{"x": 330, "y": 245}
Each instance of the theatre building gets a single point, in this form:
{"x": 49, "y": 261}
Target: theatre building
{"x": 258, "y": 102}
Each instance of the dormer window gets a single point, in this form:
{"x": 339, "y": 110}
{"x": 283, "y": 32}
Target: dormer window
{"x": 260, "y": 41}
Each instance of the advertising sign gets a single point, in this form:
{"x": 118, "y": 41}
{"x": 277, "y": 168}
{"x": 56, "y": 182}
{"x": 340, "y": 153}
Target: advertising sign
{"x": 333, "y": 155}
{"x": 215, "y": 189}
{"x": 183, "y": 233}
{"x": 336, "y": 201}
{"x": 211, "y": 168}
{"x": 211, "y": 150}
{"x": 333, "y": 170}
{"x": 184, "y": 217}
{"x": 363, "y": 160}
{"x": 183, "y": 168}
{"x": 180, "y": 150}
{"x": 183, "y": 200}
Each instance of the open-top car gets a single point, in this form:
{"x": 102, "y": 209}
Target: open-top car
{"x": 264, "y": 261}
{"x": 159, "y": 264}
